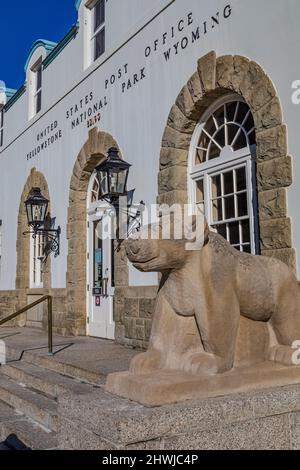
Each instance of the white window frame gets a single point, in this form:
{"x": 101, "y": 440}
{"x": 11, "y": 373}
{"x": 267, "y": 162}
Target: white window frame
{"x": 37, "y": 91}
{"x": 36, "y": 275}
{"x": 91, "y": 5}
{"x": 228, "y": 160}
{"x": 2, "y": 112}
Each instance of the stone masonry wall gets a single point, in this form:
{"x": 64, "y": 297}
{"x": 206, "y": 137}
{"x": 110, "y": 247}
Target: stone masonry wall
{"x": 134, "y": 307}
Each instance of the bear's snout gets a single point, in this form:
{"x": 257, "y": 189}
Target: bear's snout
{"x": 140, "y": 251}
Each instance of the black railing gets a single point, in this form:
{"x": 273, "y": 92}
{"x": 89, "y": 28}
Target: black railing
{"x": 45, "y": 298}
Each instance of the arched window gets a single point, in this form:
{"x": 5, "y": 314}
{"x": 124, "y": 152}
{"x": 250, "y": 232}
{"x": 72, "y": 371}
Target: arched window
{"x": 222, "y": 172}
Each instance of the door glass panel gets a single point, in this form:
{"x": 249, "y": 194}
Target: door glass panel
{"x": 98, "y": 255}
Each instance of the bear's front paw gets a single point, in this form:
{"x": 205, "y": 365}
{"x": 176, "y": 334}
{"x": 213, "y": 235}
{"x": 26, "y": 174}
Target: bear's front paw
{"x": 202, "y": 364}
{"x": 145, "y": 362}
{"x": 284, "y": 355}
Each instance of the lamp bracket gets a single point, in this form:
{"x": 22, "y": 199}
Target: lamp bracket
{"x": 52, "y": 240}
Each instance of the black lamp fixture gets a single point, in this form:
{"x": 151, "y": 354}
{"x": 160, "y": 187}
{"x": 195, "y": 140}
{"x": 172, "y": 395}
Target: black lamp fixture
{"x": 112, "y": 177}
{"x": 38, "y": 219}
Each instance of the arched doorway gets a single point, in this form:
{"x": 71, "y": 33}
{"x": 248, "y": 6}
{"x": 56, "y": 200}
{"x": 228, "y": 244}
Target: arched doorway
{"x": 33, "y": 278}
{"x": 78, "y": 287}
{"x": 100, "y": 265}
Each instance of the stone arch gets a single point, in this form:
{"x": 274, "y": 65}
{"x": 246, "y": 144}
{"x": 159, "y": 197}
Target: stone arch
{"x": 215, "y": 77}
{"x": 23, "y": 241}
{"x": 91, "y": 154}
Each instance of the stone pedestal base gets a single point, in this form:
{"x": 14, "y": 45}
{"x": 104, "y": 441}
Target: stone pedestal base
{"x": 260, "y": 420}
{"x": 164, "y": 387}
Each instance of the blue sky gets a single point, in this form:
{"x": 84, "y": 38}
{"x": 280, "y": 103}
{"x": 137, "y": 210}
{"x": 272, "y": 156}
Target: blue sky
{"x": 24, "y": 21}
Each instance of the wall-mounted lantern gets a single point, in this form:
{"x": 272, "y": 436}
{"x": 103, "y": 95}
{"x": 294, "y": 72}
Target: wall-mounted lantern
{"x": 113, "y": 176}
{"x": 37, "y": 217}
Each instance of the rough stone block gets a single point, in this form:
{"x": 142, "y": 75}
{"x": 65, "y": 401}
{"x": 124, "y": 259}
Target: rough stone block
{"x": 171, "y": 156}
{"x": 172, "y": 179}
{"x": 173, "y": 197}
{"x": 269, "y": 116}
{"x": 131, "y": 307}
{"x": 195, "y": 88}
{"x": 147, "y": 307}
{"x": 272, "y": 143}
{"x": 176, "y": 139}
{"x": 276, "y": 234}
{"x": 207, "y": 71}
{"x": 186, "y": 104}
{"x": 275, "y": 173}
{"x": 272, "y": 204}
{"x": 225, "y": 71}
{"x": 177, "y": 120}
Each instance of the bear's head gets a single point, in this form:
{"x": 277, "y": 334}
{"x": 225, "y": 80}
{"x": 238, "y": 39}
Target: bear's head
{"x": 164, "y": 246}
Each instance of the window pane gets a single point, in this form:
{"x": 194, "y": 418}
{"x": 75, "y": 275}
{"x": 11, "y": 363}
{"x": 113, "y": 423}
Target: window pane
{"x": 210, "y": 126}
{"x": 39, "y": 78}
{"x": 220, "y": 137}
{"x": 217, "y": 210}
{"x": 249, "y": 124}
{"x": 99, "y": 44}
{"x": 38, "y": 102}
{"x": 234, "y": 233}
{"x": 98, "y": 252}
{"x": 214, "y": 151}
{"x": 243, "y": 110}
{"x": 242, "y": 205}
{"x": 228, "y": 183}
{"x": 231, "y": 107}
{"x": 241, "y": 179}
{"x": 232, "y": 130}
{"x": 99, "y": 14}
{"x": 219, "y": 116}
{"x": 221, "y": 229}
{"x": 200, "y": 156}
{"x": 245, "y": 231}
{"x": 199, "y": 191}
{"x": 240, "y": 142}
{"x": 229, "y": 207}
{"x": 216, "y": 186}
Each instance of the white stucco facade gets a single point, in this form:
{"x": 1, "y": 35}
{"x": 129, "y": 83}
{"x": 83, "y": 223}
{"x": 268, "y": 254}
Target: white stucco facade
{"x": 139, "y": 37}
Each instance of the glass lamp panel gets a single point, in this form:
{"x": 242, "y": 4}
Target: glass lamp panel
{"x": 29, "y": 213}
{"x": 37, "y": 213}
{"x": 103, "y": 180}
{"x": 122, "y": 176}
{"x": 113, "y": 181}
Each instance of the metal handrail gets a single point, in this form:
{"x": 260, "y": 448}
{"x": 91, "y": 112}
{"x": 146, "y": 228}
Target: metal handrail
{"x": 45, "y": 298}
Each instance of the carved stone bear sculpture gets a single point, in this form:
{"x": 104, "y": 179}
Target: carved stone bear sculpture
{"x": 205, "y": 295}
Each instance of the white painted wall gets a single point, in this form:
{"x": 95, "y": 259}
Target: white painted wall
{"x": 266, "y": 32}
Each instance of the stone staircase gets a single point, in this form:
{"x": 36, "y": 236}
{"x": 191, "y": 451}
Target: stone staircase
{"x": 29, "y": 392}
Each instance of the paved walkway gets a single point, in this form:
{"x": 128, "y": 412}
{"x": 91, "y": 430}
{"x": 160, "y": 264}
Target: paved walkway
{"x": 91, "y": 354}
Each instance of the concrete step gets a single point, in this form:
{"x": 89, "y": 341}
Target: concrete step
{"x": 37, "y": 406}
{"x": 44, "y": 380}
{"x": 27, "y": 431}
{"x": 55, "y": 365}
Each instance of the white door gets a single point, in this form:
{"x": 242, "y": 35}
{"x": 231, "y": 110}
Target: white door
{"x": 100, "y": 277}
